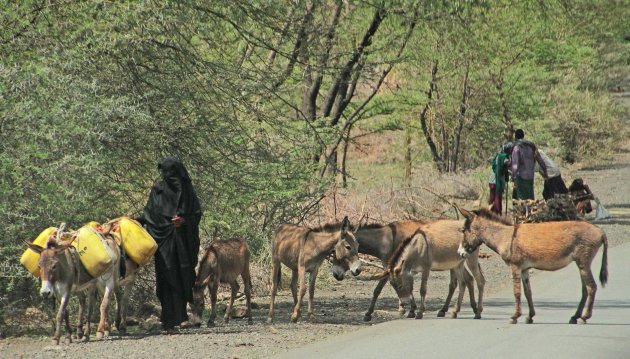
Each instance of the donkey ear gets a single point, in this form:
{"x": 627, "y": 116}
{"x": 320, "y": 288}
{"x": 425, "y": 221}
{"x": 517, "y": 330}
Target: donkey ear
{"x": 65, "y": 245}
{"x": 34, "y": 247}
{"x": 465, "y": 213}
{"x": 345, "y": 225}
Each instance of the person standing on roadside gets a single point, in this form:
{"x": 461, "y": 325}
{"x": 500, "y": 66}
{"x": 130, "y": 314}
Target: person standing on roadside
{"x": 553, "y": 182}
{"x": 524, "y": 157}
{"x": 499, "y": 177}
{"x": 171, "y": 216}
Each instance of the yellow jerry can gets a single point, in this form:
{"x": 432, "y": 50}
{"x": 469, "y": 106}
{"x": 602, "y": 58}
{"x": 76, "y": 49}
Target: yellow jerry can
{"x": 30, "y": 258}
{"x": 136, "y": 241}
{"x": 96, "y": 256}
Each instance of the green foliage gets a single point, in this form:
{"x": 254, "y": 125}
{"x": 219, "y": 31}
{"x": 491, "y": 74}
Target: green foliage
{"x": 94, "y": 94}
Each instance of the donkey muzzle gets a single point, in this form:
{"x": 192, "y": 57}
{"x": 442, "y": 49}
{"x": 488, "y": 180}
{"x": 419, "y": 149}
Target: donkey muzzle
{"x": 462, "y": 252}
{"x": 355, "y": 268}
{"x": 338, "y": 272}
{"x": 46, "y": 290}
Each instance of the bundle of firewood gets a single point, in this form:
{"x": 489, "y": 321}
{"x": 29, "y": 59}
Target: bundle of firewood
{"x": 559, "y": 208}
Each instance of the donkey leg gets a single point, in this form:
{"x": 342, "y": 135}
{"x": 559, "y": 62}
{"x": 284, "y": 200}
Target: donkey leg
{"x": 68, "y": 327}
{"x": 516, "y": 282}
{"x": 462, "y": 289}
{"x": 578, "y": 312}
{"x": 248, "y": 293}
{"x": 528, "y": 295}
{"x": 294, "y": 280}
{"x": 118, "y": 295}
{"x": 275, "y": 272}
{"x": 311, "y": 291}
{"x": 213, "y": 287}
{"x": 423, "y": 292}
{"x": 228, "y": 311}
{"x": 82, "y": 307}
{"x": 103, "y": 325}
{"x": 451, "y": 289}
{"x": 475, "y": 270}
{"x": 377, "y": 291}
{"x": 123, "y": 304}
{"x": 591, "y": 289}
{"x": 60, "y": 317}
{"x": 302, "y": 290}
{"x": 469, "y": 282}
{"x": 91, "y": 299}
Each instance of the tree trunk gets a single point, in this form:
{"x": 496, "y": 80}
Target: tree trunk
{"x": 439, "y": 162}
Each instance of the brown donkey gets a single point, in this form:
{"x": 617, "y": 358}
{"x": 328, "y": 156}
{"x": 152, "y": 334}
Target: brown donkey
{"x": 223, "y": 262}
{"x": 382, "y": 240}
{"x": 303, "y": 249}
{"x": 433, "y": 247}
{"x": 546, "y": 246}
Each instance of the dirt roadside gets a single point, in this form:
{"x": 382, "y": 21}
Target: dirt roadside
{"x": 338, "y": 308}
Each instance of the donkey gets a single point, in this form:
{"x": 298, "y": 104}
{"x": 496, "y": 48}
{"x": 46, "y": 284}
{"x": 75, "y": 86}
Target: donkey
{"x": 62, "y": 274}
{"x": 303, "y": 249}
{"x": 433, "y": 247}
{"x": 382, "y": 240}
{"x": 222, "y": 262}
{"x": 546, "y": 246}
{"x": 127, "y": 278}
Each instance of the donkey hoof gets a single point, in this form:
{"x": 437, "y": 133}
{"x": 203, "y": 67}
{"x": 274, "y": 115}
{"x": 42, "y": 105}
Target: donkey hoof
{"x": 367, "y": 317}
{"x": 512, "y": 321}
{"x": 529, "y": 320}
{"x": 295, "y": 317}
{"x": 84, "y": 339}
{"x": 412, "y": 314}
{"x": 226, "y": 320}
{"x": 55, "y": 341}
{"x": 419, "y": 315}
{"x": 441, "y": 314}
{"x": 573, "y": 320}
{"x": 270, "y": 320}
{"x": 477, "y": 316}
{"x": 581, "y": 321}
{"x": 198, "y": 325}
{"x": 99, "y": 335}
{"x": 122, "y": 331}
{"x": 401, "y": 310}
{"x": 68, "y": 340}
{"x": 210, "y": 324}
{"x": 250, "y": 321}
{"x": 453, "y": 315}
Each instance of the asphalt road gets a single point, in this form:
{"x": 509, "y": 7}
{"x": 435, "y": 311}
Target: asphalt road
{"x": 556, "y": 295}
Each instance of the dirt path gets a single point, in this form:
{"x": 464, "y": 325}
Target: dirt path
{"x": 339, "y": 308}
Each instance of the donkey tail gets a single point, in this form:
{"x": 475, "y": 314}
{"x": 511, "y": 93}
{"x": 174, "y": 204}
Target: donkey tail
{"x": 603, "y": 273}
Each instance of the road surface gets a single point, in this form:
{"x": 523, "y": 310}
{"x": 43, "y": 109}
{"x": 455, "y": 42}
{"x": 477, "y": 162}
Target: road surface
{"x": 556, "y": 294}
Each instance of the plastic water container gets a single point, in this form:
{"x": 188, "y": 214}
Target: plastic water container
{"x": 30, "y": 258}
{"x": 136, "y": 241}
{"x": 96, "y": 256}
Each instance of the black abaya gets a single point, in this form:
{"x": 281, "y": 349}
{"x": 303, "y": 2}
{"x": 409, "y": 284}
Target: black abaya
{"x": 178, "y": 247}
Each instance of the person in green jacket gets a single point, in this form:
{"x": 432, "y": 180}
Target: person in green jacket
{"x": 500, "y": 166}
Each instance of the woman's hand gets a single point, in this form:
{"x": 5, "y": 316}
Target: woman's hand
{"x": 177, "y": 221}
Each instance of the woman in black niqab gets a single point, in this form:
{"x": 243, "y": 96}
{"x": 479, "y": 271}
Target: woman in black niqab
{"x": 172, "y": 216}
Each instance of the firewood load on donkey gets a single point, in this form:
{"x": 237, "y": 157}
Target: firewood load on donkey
{"x": 222, "y": 262}
{"x": 381, "y": 241}
{"x": 303, "y": 250}
{"x": 546, "y": 246}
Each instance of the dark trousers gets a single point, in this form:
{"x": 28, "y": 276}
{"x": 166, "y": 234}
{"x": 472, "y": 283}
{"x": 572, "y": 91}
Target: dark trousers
{"x": 554, "y": 185}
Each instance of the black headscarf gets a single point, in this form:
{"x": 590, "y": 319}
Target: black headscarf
{"x": 178, "y": 248}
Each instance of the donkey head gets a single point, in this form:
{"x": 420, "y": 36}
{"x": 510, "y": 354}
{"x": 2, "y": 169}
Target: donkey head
{"x": 51, "y": 263}
{"x": 471, "y": 240}
{"x": 346, "y": 252}
{"x": 401, "y": 279}
{"x": 206, "y": 270}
